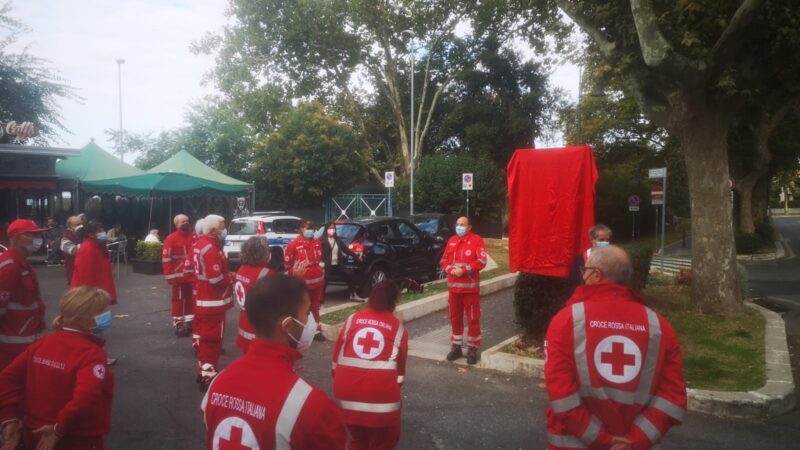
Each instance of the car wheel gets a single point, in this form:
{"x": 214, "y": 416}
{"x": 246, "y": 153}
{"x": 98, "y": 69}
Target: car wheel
{"x": 376, "y": 275}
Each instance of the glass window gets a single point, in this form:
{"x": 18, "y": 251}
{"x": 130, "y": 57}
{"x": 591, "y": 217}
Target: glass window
{"x": 284, "y": 226}
{"x": 383, "y": 231}
{"x": 348, "y": 232}
{"x": 243, "y": 228}
{"x": 428, "y": 225}
{"x": 407, "y": 231}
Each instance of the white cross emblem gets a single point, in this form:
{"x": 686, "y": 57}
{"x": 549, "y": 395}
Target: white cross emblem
{"x": 99, "y": 371}
{"x": 618, "y": 359}
{"x": 239, "y": 291}
{"x": 368, "y": 343}
{"x": 236, "y": 432}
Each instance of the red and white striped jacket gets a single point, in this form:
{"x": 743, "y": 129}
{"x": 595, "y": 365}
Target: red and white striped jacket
{"x": 213, "y": 280}
{"x": 612, "y": 368}
{"x": 469, "y": 254}
{"x": 21, "y": 306}
{"x": 243, "y": 411}
{"x": 246, "y": 277}
{"x": 369, "y": 366}
{"x": 302, "y": 249}
{"x": 177, "y": 249}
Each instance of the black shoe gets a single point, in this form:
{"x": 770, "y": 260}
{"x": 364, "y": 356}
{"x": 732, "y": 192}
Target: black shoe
{"x": 181, "y": 331}
{"x": 111, "y": 361}
{"x": 319, "y": 337}
{"x": 472, "y": 356}
{"x": 455, "y": 353}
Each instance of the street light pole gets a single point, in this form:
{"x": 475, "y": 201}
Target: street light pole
{"x": 120, "y": 62}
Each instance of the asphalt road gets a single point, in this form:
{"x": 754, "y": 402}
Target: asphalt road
{"x": 156, "y": 404}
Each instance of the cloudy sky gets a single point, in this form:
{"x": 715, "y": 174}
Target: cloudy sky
{"x": 83, "y": 39}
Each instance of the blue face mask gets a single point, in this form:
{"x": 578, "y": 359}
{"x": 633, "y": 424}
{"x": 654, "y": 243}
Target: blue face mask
{"x": 223, "y": 234}
{"x": 102, "y": 237}
{"x": 308, "y": 234}
{"x": 601, "y": 244}
{"x": 461, "y": 230}
{"x": 102, "y": 322}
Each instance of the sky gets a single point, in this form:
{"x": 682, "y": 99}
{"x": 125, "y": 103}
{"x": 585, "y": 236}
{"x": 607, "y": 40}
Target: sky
{"x": 83, "y": 39}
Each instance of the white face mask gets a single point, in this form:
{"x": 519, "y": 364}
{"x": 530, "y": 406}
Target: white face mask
{"x": 307, "y": 336}
{"x": 34, "y": 246}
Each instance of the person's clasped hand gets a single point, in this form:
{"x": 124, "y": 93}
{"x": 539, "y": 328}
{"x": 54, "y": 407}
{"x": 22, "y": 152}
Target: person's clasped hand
{"x": 457, "y": 272}
{"x": 621, "y": 443}
{"x": 48, "y": 437}
{"x": 10, "y": 436}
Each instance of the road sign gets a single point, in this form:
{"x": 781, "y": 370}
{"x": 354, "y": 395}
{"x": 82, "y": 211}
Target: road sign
{"x": 634, "y": 200}
{"x": 466, "y": 182}
{"x": 633, "y": 208}
{"x": 657, "y": 195}
{"x": 388, "y": 179}
{"x": 658, "y": 173}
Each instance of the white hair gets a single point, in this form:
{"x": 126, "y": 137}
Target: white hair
{"x": 211, "y": 222}
{"x": 198, "y": 227}
{"x": 179, "y": 217}
{"x": 614, "y": 262}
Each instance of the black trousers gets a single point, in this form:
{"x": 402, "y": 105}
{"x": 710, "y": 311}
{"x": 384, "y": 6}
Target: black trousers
{"x": 340, "y": 274}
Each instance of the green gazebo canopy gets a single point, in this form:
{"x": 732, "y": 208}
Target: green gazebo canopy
{"x": 183, "y": 162}
{"x": 93, "y": 164}
{"x": 163, "y": 185}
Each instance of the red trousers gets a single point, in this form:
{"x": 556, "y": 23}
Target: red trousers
{"x": 471, "y": 305}
{"x": 369, "y": 438}
{"x": 182, "y": 303}
{"x": 29, "y": 442}
{"x": 209, "y": 329}
{"x": 316, "y": 294}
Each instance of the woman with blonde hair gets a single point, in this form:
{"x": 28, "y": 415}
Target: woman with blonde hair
{"x": 57, "y": 395}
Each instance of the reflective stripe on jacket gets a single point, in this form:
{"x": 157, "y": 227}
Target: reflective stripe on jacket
{"x": 467, "y": 253}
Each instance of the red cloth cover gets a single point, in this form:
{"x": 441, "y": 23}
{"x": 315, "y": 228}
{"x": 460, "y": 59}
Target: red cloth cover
{"x": 551, "y": 208}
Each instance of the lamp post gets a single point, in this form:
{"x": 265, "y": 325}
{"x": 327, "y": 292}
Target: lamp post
{"x": 120, "y": 62}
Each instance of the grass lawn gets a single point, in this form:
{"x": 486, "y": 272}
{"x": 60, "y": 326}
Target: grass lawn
{"x": 496, "y": 248}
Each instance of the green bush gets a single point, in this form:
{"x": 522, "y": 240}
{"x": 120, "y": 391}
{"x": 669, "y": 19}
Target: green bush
{"x": 640, "y": 255}
{"x": 148, "y": 251}
{"x": 748, "y": 243}
{"x": 765, "y": 230}
{"x": 537, "y": 299}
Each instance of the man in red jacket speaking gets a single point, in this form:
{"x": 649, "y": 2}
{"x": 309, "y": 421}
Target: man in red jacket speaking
{"x": 612, "y": 365}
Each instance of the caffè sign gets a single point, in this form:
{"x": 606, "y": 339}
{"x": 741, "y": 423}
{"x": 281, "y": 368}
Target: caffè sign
{"x": 17, "y": 130}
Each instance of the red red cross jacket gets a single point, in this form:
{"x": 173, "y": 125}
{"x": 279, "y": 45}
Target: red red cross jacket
{"x": 213, "y": 279}
{"x": 302, "y": 249}
{"x": 21, "y": 306}
{"x": 93, "y": 268}
{"x": 246, "y": 277}
{"x": 369, "y": 366}
{"x": 469, "y": 254}
{"x": 61, "y": 379}
{"x": 613, "y": 368}
{"x": 177, "y": 249}
{"x": 241, "y": 411}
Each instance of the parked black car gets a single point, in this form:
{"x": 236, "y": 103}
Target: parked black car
{"x": 392, "y": 248}
{"x": 441, "y": 225}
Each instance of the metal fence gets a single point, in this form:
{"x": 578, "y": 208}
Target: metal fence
{"x": 350, "y": 206}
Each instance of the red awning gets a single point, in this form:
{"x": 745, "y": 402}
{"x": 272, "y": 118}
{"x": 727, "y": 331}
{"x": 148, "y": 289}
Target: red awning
{"x": 26, "y": 184}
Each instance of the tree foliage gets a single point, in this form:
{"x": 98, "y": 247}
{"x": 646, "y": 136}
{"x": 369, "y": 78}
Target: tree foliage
{"x": 310, "y": 157}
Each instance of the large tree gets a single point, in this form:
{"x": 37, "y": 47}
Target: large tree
{"x": 691, "y": 64}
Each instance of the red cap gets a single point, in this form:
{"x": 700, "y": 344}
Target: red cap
{"x": 22, "y": 226}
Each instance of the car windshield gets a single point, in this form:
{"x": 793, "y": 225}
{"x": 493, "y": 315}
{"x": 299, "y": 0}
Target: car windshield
{"x": 243, "y": 228}
{"x": 427, "y": 225}
{"x": 348, "y": 231}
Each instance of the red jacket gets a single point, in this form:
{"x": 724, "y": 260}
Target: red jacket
{"x": 62, "y": 379}
{"x": 176, "y": 251}
{"x": 466, "y": 253}
{"x": 246, "y": 277}
{"x": 613, "y": 368}
{"x": 213, "y": 279}
{"x": 21, "y": 306}
{"x": 369, "y": 366}
{"x": 302, "y": 249}
{"x": 93, "y": 268}
{"x": 285, "y": 412}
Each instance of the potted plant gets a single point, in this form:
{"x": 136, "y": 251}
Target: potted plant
{"x": 148, "y": 258}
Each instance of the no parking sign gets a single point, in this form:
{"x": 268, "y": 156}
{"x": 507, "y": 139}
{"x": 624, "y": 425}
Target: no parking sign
{"x": 466, "y": 182}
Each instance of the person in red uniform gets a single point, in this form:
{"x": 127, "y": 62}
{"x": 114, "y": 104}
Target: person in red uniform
{"x": 69, "y": 245}
{"x": 463, "y": 259}
{"x": 60, "y": 388}
{"x": 92, "y": 264}
{"x": 305, "y": 254}
{"x": 21, "y": 306}
{"x": 241, "y": 411}
{"x": 258, "y": 261}
{"x": 174, "y": 254}
{"x": 369, "y": 366}
{"x": 214, "y": 297}
{"x": 612, "y": 365}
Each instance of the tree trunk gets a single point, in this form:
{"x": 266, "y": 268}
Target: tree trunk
{"x": 714, "y": 286}
{"x": 761, "y": 199}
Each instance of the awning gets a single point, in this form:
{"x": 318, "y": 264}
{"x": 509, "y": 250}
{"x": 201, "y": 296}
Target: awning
{"x": 162, "y": 185}
{"x": 27, "y": 184}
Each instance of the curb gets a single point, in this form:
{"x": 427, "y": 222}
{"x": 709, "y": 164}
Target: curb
{"x": 428, "y": 305}
{"x": 776, "y": 397}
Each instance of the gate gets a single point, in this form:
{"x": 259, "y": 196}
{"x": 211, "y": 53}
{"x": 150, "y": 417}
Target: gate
{"x": 350, "y": 206}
